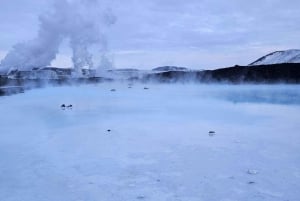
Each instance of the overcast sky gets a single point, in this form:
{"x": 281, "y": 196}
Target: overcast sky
{"x": 199, "y": 34}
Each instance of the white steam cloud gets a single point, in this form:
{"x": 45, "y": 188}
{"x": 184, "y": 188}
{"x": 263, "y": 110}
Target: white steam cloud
{"x": 82, "y": 22}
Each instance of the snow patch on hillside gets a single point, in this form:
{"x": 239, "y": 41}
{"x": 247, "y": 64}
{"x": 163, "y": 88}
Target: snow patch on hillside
{"x": 288, "y": 56}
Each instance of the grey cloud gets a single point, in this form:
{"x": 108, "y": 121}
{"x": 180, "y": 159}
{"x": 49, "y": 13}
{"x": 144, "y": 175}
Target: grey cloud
{"x": 212, "y": 27}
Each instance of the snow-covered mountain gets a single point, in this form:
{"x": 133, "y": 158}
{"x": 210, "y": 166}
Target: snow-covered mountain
{"x": 287, "y": 56}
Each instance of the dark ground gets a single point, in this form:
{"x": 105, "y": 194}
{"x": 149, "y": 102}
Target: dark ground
{"x": 262, "y": 74}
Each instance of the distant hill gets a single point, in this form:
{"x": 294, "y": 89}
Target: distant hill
{"x": 170, "y": 68}
{"x": 279, "y": 57}
{"x": 260, "y": 74}
{"x": 125, "y": 70}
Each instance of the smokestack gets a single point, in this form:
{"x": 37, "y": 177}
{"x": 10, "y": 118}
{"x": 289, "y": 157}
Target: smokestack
{"x": 83, "y": 22}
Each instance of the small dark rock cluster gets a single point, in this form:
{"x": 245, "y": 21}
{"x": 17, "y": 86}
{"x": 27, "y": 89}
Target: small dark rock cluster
{"x": 64, "y": 106}
{"x": 253, "y": 173}
{"x": 211, "y": 133}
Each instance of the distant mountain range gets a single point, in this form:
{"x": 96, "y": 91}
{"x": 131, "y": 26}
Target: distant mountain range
{"x": 279, "y": 57}
{"x": 277, "y": 67}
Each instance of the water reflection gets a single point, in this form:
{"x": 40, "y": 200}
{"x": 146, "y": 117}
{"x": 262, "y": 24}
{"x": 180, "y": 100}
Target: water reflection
{"x": 287, "y": 94}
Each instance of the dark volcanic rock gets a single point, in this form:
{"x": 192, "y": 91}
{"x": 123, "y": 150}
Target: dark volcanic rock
{"x": 125, "y": 70}
{"x": 276, "y": 73}
{"x": 285, "y": 73}
{"x": 6, "y": 91}
{"x": 10, "y": 86}
{"x": 174, "y": 76}
{"x": 170, "y": 68}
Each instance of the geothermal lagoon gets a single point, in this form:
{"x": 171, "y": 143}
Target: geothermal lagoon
{"x": 158, "y": 142}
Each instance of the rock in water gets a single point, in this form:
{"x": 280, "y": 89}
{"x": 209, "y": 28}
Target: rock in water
{"x": 252, "y": 172}
{"x": 211, "y": 133}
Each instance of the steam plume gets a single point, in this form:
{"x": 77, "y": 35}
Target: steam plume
{"x": 82, "y": 22}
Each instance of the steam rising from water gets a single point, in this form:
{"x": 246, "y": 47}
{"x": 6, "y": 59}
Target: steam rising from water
{"x": 82, "y": 22}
